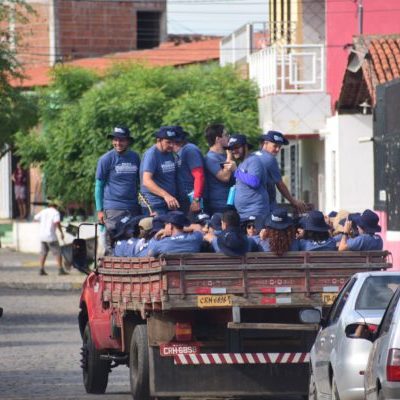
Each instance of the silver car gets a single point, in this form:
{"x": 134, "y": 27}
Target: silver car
{"x": 337, "y": 362}
{"x": 382, "y": 374}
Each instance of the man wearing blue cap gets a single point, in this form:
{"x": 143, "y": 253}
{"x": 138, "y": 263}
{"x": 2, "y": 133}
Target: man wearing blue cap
{"x": 190, "y": 173}
{"x": 158, "y": 173}
{"x": 117, "y": 181}
{"x": 179, "y": 241}
{"x": 272, "y": 142}
{"x": 251, "y": 196}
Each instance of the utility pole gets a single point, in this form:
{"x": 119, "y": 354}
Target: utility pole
{"x": 360, "y": 14}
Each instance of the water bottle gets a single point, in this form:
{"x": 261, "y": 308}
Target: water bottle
{"x": 231, "y": 196}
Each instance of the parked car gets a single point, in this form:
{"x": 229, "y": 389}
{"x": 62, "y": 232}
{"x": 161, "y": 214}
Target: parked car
{"x": 382, "y": 374}
{"x": 337, "y": 362}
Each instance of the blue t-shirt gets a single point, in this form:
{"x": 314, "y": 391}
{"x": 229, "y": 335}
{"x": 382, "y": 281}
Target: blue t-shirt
{"x": 188, "y": 157}
{"x": 252, "y": 245}
{"x": 252, "y": 201}
{"x": 182, "y": 243}
{"x": 162, "y": 166}
{"x": 365, "y": 242}
{"x": 120, "y": 174}
{"x": 216, "y": 191}
{"x": 272, "y": 171}
{"x": 323, "y": 245}
{"x": 142, "y": 247}
{"x": 125, "y": 248}
{"x": 264, "y": 244}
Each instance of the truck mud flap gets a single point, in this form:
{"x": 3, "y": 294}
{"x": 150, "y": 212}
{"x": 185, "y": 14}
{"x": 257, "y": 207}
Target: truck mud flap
{"x": 262, "y": 379}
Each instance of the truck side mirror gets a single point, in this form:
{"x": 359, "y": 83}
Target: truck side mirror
{"x": 310, "y": 316}
{"x": 79, "y": 256}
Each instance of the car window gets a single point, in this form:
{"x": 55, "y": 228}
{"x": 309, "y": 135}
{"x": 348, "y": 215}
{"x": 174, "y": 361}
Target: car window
{"x": 338, "y": 305}
{"x": 376, "y": 292}
{"x": 388, "y": 316}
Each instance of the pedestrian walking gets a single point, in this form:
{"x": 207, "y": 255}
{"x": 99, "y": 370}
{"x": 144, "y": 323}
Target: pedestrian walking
{"x": 50, "y": 221}
{"x": 158, "y": 173}
{"x": 117, "y": 182}
{"x": 19, "y": 177}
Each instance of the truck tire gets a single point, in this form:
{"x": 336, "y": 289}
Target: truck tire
{"x": 139, "y": 364}
{"x": 95, "y": 370}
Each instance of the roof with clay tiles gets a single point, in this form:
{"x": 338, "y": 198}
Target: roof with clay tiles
{"x": 378, "y": 57}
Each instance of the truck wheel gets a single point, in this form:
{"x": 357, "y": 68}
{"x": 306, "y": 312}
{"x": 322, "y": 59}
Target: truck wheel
{"x": 95, "y": 370}
{"x": 139, "y": 364}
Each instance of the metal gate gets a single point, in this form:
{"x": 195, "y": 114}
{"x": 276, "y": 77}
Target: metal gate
{"x": 387, "y": 151}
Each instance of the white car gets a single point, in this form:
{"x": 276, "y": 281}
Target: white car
{"x": 337, "y": 362}
{"x": 382, "y": 375}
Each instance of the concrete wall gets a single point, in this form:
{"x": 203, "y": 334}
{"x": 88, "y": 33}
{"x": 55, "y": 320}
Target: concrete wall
{"x": 349, "y": 165}
{"x": 380, "y": 17}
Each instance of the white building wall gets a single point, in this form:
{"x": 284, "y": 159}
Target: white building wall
{"x": 5, "y": 187}
{"x": 349, "y": 164}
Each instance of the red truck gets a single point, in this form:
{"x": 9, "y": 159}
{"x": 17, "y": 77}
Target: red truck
{"x": 208, "y": 324}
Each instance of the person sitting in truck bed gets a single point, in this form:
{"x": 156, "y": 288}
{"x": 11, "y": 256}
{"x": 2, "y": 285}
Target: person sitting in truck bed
{"x": 279, "y": 236}
{"x": 175, "y": 240}
{"x": 232, "y": 242}
{"x": 316, "y": 234}
{"x": 368, "y": 226}
{"x": 149, "y": 227}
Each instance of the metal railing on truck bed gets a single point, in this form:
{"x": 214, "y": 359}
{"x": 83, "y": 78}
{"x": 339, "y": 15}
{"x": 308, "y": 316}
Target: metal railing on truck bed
{"x": 257, "y": 280}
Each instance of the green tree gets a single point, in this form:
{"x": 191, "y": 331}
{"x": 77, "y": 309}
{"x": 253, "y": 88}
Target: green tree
{"x": 79, "y": 110}
{"x": 18, "y": 110}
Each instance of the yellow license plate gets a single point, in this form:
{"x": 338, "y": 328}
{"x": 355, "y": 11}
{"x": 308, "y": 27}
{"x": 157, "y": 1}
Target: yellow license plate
{"x": 221, "y": 300}
{"x": 328, "y": 298}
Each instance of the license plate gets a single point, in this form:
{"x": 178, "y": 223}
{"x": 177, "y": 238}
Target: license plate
{"x": 222, "y": 300}
{"x": 328, "y": 298}
{"x": 173, "y": 349}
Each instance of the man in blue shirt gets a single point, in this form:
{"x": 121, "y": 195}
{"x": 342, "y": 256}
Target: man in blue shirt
{"x": 272, "y": 142}
{"x": 251, "y": 196}
{"x": 158, "y": 173}
{"x": 368, "y": 226}
{"x": 179, "y": 241}
{"x": 219, "y": 169}
{"x": 117, "y": 181}
{"x": 190, "y": 173}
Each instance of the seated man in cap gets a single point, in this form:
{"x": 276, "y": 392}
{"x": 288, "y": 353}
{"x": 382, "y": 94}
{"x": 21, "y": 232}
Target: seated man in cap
{"x": 251, "y": 197}
{"x": 316, "y": 234}
{"x": 117, "y": 180}
{"x": 158, "y": 173}
{"x": 149, "y": 227}
{"x": 178, "y": 241}
{"x": 368, "y": 226}
{"x": 272, "y": 142}
{"x": 190, "y": 173}
{"x": 231, "y": 241}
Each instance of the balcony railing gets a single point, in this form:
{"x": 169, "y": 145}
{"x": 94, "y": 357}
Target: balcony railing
{"x": 288, "y": 69}
{"x": 237, "y": 46}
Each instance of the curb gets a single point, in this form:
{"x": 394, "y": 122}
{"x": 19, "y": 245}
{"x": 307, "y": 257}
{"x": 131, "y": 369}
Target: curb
{"x": 61, "y": 286}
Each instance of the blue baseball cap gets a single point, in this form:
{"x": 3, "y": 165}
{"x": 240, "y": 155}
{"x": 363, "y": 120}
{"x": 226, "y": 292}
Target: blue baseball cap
{"x": 238, "y": 139}
{"x": 120, "y": 132}
{"x": 172, "y": 132}
{"x": 177, "y": 218}
{"x": 275, "y": 137}
{"x": 279, "y": 219}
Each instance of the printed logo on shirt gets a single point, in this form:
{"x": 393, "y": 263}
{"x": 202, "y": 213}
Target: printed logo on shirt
{"x": 126, "y": 168}
{"x": 178, "y": 237}
{"x": 258, "y": 153}
{"x": 168, "y": 166}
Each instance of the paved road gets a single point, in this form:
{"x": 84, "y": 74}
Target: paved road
{"x": 39, "y": 349}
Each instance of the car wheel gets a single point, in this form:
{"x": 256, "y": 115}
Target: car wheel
{"x": 312, "y": 389}
{"x": 335, "y": 393}
{"x": 95, "y": 370}
{"x": 139, "y": 364}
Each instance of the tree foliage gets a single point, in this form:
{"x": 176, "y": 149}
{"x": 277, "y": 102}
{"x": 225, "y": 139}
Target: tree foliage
{"x": 79, "y": 110}
{"x": 18, "y": 110}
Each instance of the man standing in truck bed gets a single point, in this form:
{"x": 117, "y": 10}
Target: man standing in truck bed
{"x": 117, "y": 181}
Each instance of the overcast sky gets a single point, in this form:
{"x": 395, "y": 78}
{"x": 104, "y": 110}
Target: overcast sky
{"x": 213, "y": 17}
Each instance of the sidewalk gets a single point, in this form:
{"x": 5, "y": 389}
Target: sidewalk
{"x": 21, "y": 271}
